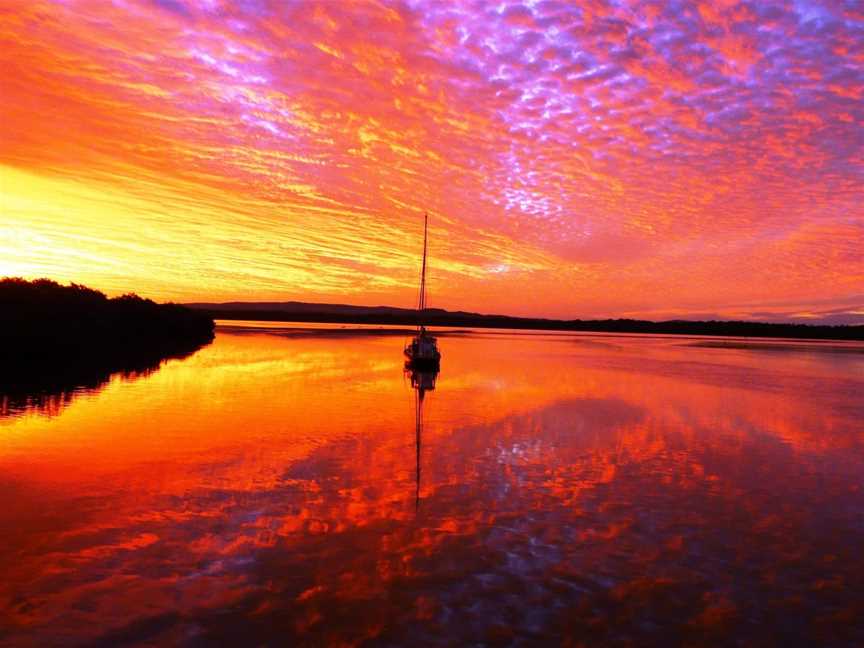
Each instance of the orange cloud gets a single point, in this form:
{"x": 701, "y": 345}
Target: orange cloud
{"x": 200, "y": 151}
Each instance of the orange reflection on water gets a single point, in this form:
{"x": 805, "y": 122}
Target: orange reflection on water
{"x": 603, "y": 488}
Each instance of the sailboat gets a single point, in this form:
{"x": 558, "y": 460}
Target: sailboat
{"x": 422, "y": 351}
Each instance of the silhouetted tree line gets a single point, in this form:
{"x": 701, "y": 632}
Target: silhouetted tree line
{"x": 56, "y": 338}
{"x": 438, "y": 317}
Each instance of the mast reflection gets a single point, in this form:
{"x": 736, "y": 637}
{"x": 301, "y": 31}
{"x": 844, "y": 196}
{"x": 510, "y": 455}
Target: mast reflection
{"x": 422, "y": 380}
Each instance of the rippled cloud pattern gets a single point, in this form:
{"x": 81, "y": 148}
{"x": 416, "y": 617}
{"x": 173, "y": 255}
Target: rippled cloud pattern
{"x": 597, "y": 158}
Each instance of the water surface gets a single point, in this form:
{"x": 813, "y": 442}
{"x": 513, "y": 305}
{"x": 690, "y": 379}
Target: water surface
{"x": 598, "y": 489}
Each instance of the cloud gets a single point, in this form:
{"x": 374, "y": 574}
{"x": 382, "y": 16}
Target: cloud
{"x": 622, "y": 149}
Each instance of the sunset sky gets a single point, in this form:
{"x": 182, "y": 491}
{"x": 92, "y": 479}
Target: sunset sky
{"x": 596, "y": 158}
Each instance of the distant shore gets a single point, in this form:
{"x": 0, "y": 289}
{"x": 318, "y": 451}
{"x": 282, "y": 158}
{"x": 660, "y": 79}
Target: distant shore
{"x": 345, "y": 314}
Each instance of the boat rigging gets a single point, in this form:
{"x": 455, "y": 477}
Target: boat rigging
{"x": 422, "y": 351}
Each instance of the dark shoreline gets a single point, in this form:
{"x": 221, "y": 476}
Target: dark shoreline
{"x": 61, "y": 340}
{"x": 330, "y": 314}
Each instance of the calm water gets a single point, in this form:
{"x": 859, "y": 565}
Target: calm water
{"x": 598, "y": 490}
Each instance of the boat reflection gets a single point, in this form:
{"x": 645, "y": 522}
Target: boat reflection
{"x": 422, "y": 380}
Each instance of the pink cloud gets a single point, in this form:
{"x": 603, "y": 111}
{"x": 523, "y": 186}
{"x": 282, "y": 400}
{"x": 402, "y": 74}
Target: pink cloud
{"x": 598, "y": 144}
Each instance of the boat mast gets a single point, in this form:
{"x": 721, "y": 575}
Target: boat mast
{"x": 422, "y": 305}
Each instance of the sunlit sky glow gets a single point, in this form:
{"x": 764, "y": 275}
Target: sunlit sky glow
{"x": 595, "y": 158}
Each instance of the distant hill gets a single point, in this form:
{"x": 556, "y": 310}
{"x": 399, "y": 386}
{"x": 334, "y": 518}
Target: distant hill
{"x": 293, "y": 311}
{"x": 295, "y": 307}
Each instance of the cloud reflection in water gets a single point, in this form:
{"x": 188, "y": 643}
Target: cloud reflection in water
{"x": 609, "y": 489}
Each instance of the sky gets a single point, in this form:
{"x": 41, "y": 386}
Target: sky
{"x": 599, "y": 158}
